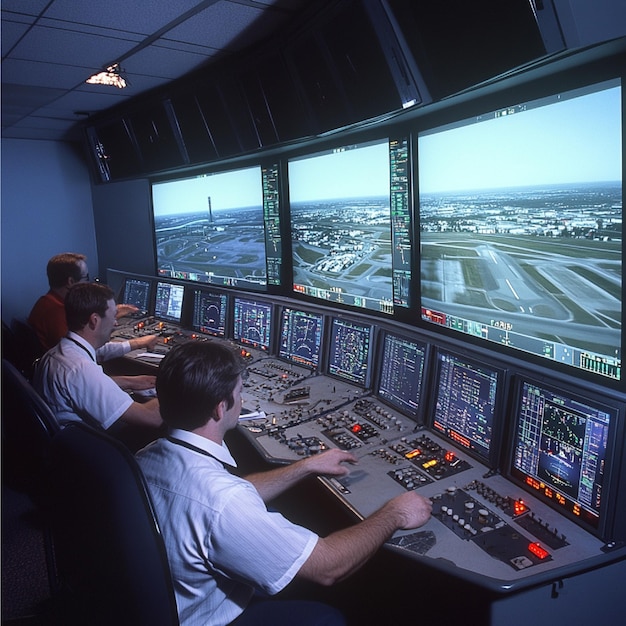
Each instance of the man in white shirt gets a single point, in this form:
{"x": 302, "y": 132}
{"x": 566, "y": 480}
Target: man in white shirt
{"x": 73, "y": 382}
{"x": 223, "y": 544}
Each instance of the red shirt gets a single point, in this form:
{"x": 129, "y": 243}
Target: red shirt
{"x": 48, "y": 320}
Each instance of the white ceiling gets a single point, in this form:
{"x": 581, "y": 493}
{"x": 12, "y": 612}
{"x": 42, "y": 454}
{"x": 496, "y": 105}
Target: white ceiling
{"x": 50, "y": 47}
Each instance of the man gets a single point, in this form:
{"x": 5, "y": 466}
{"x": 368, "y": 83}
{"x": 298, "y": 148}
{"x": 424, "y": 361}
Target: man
{"x": 47, "y": 317}
{"x": 74, "y": 384}
{"x": 223, "y": 544}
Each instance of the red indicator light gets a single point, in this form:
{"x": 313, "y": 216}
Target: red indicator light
{"x": 450, "y": 456}
{"x": 538, "y": 551}
{"x": 519, "y": 507}
{"x": 357, "y": 428}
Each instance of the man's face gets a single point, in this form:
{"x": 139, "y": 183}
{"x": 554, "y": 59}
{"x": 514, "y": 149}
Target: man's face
{"x": 107, "y": 323}
{"x": 232, "y": 414}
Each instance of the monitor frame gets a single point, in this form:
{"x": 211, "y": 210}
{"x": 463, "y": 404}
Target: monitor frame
{"x": 250, "y": 298}
{"x": 399, "y": 200}
{"x": 164, "y": 317}
{"x": 611, "y": 522}
{"x": 403, "y": 336}
{"x": 296, "y": 310}
{"x": 501, "y": 98}
{"x": 492, "y": 457}
{"x": 269, "y": 233}
{"x": 362, "y": 326}
{"x": 191, "y": 291}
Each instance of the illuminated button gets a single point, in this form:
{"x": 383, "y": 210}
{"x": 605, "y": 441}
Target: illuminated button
{"x": 538, "y": 551}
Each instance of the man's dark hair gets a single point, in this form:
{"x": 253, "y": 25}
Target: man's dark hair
{"x": 84, "y": 299}
{"x": 63, "y": 266}
{"x": 193, "y": 379}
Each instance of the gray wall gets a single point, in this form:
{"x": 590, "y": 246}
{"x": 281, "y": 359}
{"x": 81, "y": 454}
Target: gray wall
{"x": 46, "y": 209}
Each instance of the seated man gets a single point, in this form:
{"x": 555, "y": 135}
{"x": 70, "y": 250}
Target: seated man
{"x": 74, "y": 384}
{"x": 223, "y": 544}
{"x": 47, "y": 317}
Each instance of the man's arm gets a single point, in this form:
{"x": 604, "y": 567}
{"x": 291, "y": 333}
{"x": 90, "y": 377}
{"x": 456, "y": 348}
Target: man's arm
{"x": 272, "y": 483}
{"x": 143, "y": 414}
{"x": 343, "y": 552}
{"x": 135, "y": 383}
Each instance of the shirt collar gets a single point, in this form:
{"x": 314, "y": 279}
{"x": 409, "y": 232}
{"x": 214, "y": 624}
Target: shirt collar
{"x": 220, "y": 452}
{"x": 83, "y": 342}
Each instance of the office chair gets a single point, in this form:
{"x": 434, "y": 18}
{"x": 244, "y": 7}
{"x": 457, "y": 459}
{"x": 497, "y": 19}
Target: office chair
{"x": 28, "y": 426}
{"x": 27, "y": 346}
{"x": 111, "y": 556}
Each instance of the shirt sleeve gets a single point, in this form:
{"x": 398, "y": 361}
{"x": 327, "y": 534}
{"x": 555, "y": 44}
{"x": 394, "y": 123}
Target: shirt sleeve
{"x": 93, "y": 395}
{"x": 256, "y": 546}
{"x": 112, "y": 350}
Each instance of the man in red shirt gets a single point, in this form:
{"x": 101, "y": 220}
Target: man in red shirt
{"x": 47, "y": 317}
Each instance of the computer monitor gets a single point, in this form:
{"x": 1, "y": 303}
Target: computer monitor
{"x": 252, "y": 322}
{"x": 221, "y": 228}
{"x": 137, "y": 291}
{"x": 401, "y": 371}
{"x": 209, "y": 312}
{"x": 168, "y": 304}
{"x": 301, "y": 337}
{"x": 467, "y": 397}
{"x": 520, "y": 213}
{"x": 562, "y": 450}
{"x": 351, "y": 225}
{"x": 350, "y": 350}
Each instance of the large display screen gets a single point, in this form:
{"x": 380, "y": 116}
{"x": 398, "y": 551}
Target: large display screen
{"x": 349, "y": 351}
{"x": 401, "y": 373}
{"x": 301, "y": 337}
{"x": 466, "y": 402}
{"x": 521, "y": 227}
{"x": 560, "y": 450}
{"x": 350, "y": 225}
{"x": 220, "y": 228}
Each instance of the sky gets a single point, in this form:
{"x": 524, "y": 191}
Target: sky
{"x": 233, "y": 189}
{"x": 362, "y": 172}
{"x": 576, "y": 140}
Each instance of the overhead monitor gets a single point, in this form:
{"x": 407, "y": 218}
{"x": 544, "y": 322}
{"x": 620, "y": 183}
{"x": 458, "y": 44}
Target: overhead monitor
{"x": 220, "y": 228}
{"x": 351, "y": 225}
{"x": 209, "y": 312}
{"x": 252, "y": 322}
{"x": 350, "y": 351}
{"x": 561, "y": 451}
{"x": 137, "y": 291}
{"x": 168, "y": 304}
{"x": 467, "y": 404}
{"x": 402, "y": 361}
{"x": 301, "y": 337}
{"x": 520, "y": 215}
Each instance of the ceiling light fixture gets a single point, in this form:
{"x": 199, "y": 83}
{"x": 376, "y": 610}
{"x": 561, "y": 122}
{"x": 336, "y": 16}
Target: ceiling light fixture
{"x": 111, "y": 77}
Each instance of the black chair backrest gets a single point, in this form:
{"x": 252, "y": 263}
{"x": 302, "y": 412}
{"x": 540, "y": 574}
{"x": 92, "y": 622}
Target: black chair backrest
{"x": 28, "y": 426}
{"x": 28, "y": 348}
{"x": 110, "y": 553}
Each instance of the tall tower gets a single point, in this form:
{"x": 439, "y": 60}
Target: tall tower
{"x": 210, "y": 210}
